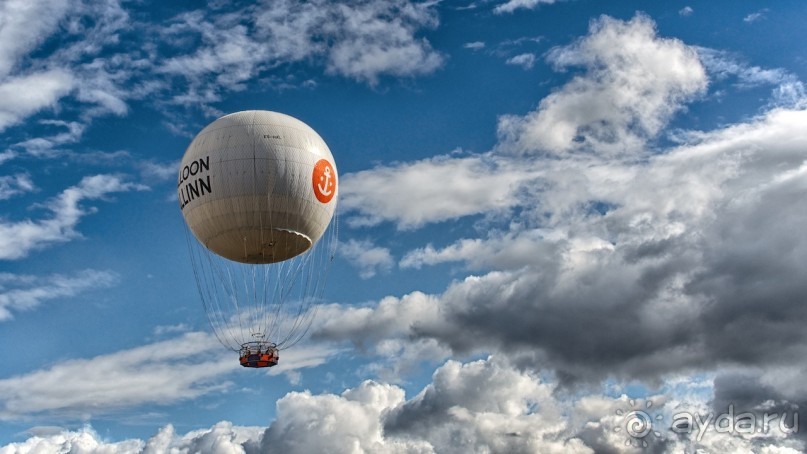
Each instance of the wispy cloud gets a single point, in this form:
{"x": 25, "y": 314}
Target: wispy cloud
{"x": 157, "y": 373}
{"x": 721, "y": 65}
{"x": 204, "y": 54}
{"x": 20, "y": 238}
{"x": 26, "y": 292}
{"x": 73, "y": 83}
{"x": 512, "y": 5}
{"x": 363, "y": 41}
{"x": 526, "y": 61}
{"x": 180, "y": 368}
{"x": 12, "y": 185}
{"x": 756, "y": 16}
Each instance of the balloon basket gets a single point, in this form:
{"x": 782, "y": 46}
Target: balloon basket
{"x": 258, "y": 354}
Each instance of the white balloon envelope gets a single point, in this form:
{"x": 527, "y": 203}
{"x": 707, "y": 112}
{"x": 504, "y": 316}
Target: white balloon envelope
{"x": 258, "y": 190}
{"x": 257, "y": 187}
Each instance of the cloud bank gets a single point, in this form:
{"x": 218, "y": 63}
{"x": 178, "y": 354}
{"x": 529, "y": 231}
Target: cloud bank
{"x": 480, "y": 406}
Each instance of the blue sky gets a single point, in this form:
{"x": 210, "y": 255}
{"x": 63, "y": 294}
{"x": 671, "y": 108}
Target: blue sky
{"x": 551, "y": 212}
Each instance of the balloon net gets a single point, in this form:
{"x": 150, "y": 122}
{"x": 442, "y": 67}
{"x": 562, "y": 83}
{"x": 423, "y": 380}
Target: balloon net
{"x": 266, "y": 303}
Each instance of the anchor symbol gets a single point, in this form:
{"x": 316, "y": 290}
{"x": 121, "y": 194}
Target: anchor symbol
{"x": 326, "y": 191}
{"x": 324, "y": 179}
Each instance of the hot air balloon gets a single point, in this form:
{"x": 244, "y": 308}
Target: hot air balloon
{"x": 258, "y": 191}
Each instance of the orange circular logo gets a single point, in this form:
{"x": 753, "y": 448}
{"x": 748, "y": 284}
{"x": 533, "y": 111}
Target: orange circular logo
{"x": 324, "y": 180}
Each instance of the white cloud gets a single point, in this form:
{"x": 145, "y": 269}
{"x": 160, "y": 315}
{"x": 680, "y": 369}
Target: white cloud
{"x": 753, "y": 17}
{"x": 29, "y": 85}
{"x": 630, "y": 253}
{"x": 788, "y": 89}
{"x": 159, "y": 373}
{"x": 483, "y": 406}
{"x": 579, "y": 117}
{"x": 362, "y": 41}
{"x": 510, "y": 251}
{"x": 526, "y": 61}
{"x": 228, "y": 54}
{"x": 475, "y": 45}
{"x": 377, "y": 38}
{"x": 391, "y": 317}
{"x": 25, "y": 27}
{"x": 635, "y": 81}
{"x": 12, "y": 185}
{"x": 83, "y": 440}
{"x": 160, "y": 171}
{"x": 512, "y": 5}
{"x": 722, "y": 64}
{"x": 666, "y": 262}
{"x": 367, "y": 257}
{"x": 222, "y": 438}
{"x": 430, "y": 190}
{"x": 19, "y": 238}
{"x": 47, "y": 146}
{"x": 350, "y": 422}
{"x": 176, "y": 369}
{"x": 480, "y": 406}
{"x": 686, "y": 11}
{"x": 27, "y": 94}
{"x": 302, "y": 356}
{"x": 25, "y": 292}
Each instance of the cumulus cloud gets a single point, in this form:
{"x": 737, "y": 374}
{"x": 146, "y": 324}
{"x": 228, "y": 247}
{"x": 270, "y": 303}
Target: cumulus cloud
{"x": 633, "y": 83}
{"x": 83, "y": 440}
{"x": 367, "y": 257}
{"x": 665, "y": 265}
{"x": 479, "y": 406}
{"x": 687, "y": 259}
{"x": 485, "y": 406}
{"x": 25, "y": 292}
{"x": 19, "y": 238}
{"x": 350, "y": 422}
